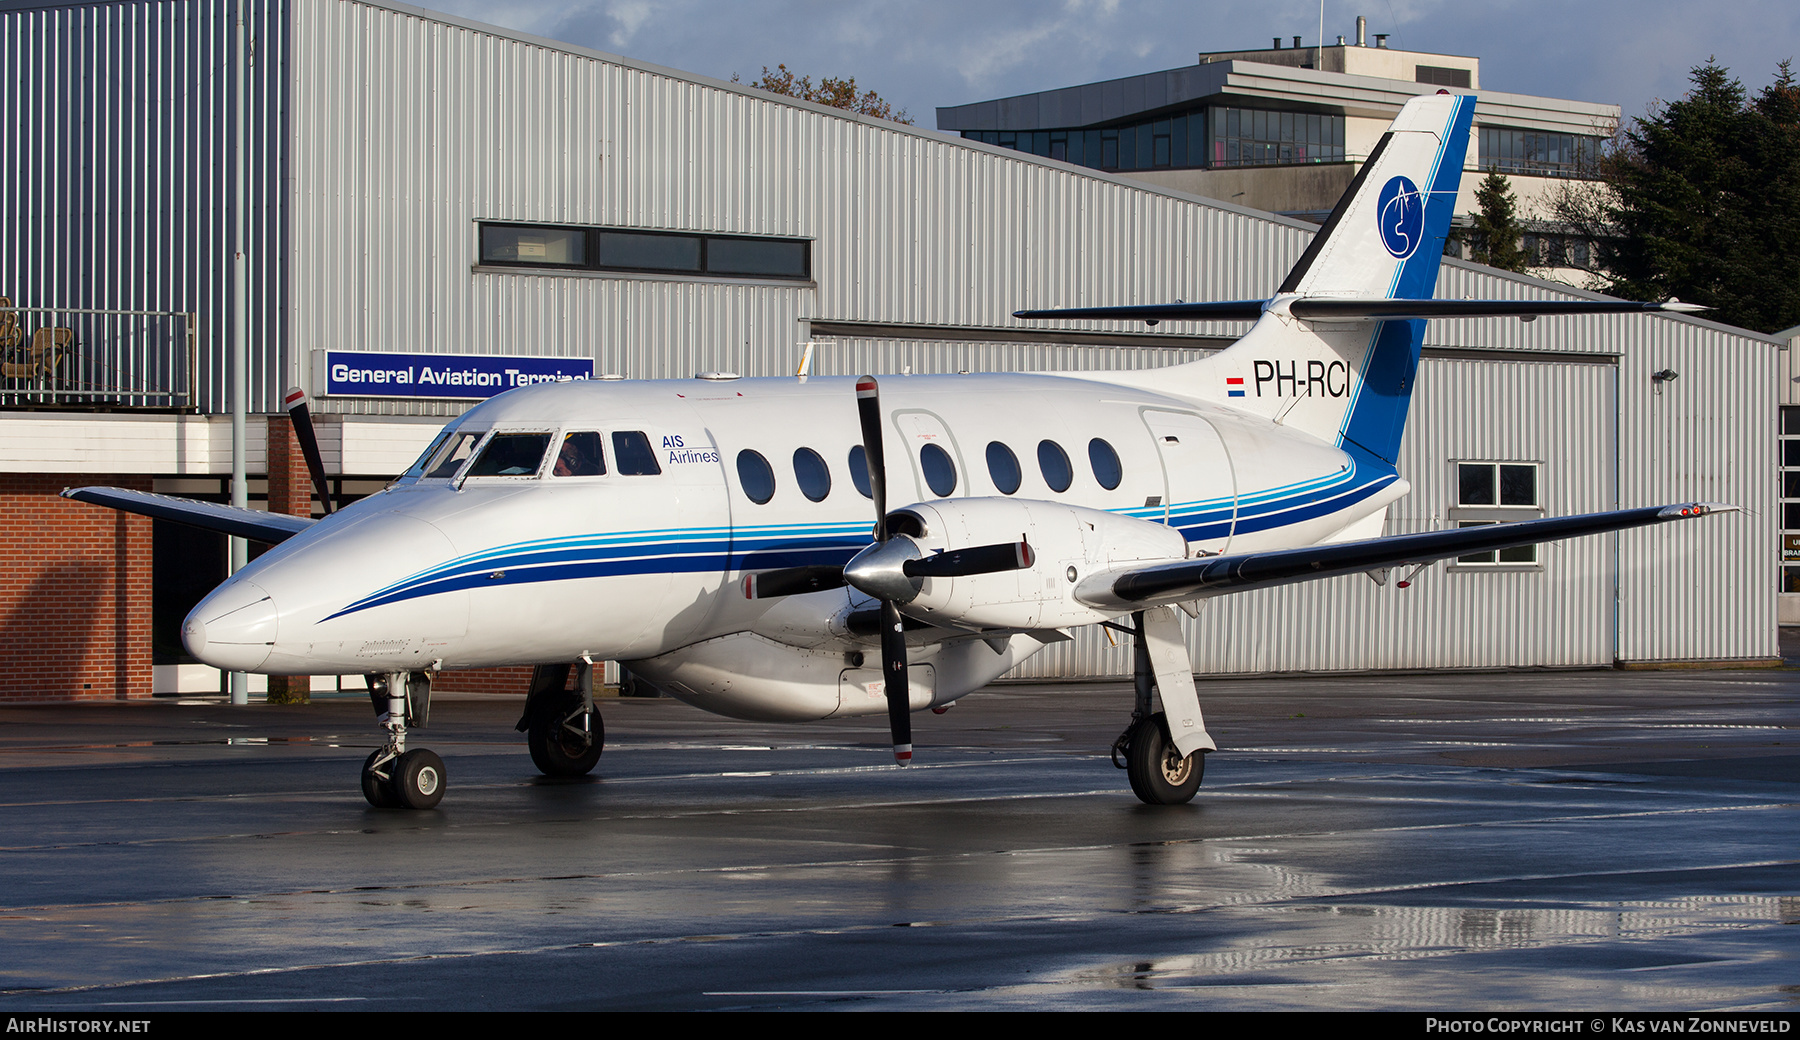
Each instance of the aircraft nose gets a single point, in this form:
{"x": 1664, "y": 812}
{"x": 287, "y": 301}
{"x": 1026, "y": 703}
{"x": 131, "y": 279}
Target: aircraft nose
{"x": 233, "y": 628}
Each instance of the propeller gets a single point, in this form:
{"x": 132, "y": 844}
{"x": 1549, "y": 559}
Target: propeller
{"x": 892, "y": 570}
{"x": 301, "y": 417}
{"x": 893, "y": 628}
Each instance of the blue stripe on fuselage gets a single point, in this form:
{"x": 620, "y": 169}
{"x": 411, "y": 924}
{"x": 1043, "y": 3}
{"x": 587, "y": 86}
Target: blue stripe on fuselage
{"x": 721, "y": 550}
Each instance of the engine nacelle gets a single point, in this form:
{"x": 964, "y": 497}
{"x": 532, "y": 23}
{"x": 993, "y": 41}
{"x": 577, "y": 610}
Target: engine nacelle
{"x": 1067, "y": 543}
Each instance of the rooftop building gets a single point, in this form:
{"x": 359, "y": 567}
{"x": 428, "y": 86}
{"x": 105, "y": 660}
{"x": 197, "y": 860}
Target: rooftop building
{"x": 1286, "y": 128}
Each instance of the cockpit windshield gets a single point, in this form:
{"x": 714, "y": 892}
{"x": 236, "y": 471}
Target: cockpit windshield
{"x": 452, "y": 453}
{"x": 511, "y": 455}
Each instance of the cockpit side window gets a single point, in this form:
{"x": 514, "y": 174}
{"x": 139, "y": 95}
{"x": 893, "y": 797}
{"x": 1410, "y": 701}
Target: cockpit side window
{"x": 511, "y": 455}
{"x": 633, "y": 455}
{"x": 453, "y": 454}
{"x": 580, "y": 456}
{"x": 417, "y": 469}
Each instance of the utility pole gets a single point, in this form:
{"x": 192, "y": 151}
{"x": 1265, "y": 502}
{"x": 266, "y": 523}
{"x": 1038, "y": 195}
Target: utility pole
{"x": 238, "y": 376}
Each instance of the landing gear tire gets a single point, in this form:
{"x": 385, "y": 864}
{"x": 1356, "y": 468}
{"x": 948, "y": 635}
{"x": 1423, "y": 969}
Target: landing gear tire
{"x": 377, "y": 789}
{"x": 419, "y": 779}
{"x": 1159, "y": 774}
{"x": 566, "y": 742}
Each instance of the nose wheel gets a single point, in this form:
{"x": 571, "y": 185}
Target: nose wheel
{"x": 394, "y": 777}
{"x": 413, "y": 780}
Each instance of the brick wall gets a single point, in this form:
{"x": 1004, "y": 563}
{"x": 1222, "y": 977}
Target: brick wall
{"x": 74, "y": 592}
{"x": 484, "y": 680}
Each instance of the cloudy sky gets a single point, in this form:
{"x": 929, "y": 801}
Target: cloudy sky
{"x": 920, "y": 54}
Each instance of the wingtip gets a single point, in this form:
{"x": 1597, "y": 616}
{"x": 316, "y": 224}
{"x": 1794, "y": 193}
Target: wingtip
{"x": 1693, "y": 509}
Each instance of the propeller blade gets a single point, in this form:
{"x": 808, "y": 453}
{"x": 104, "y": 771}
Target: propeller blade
{"x": 977, "y": 559}
{"x": 868, "y": 410}
{"x": 792, "y": 581}
{"x": 301, "y": 417}
{"x": 893, "y": 674}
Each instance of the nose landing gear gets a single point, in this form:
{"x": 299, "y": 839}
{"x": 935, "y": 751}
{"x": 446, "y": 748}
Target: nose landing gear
{"x": 393, "y": 777}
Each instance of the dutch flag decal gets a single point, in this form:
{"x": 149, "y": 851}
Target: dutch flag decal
{"x": 1234, "y": 386}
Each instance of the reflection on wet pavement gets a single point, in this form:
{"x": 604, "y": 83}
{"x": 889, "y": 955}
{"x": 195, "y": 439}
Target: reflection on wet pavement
{"x": 1601, "y": 840}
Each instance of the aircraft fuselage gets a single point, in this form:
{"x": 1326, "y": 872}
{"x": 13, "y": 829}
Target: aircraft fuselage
{"x": 468, "y": 571}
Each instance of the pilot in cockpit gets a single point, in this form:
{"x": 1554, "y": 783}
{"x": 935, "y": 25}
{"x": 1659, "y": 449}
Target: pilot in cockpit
{"x": 580, "y": 456}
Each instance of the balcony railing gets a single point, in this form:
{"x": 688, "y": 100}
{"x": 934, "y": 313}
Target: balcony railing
{"x": 75, "y": 357}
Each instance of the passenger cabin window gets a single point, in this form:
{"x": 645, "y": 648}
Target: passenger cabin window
{"x": 511, "y": 455}
{"x": 1003, "y": 467}
{"x": 1053, "y": 462}
{"x": 580, "y": 456}
{"x": 811, "y": 474}
{"x": 633, "y": 455}
{"x": 1493, "y": 492}
{"x": 859, "y": 471}
{"x": 940, "y": 471}
{"x": 1106, "y": 464}
{"x": 755, "y": 477}
{"x": 453, "y": 454}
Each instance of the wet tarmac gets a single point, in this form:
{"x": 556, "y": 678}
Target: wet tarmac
{"x": 1594, "y": 841}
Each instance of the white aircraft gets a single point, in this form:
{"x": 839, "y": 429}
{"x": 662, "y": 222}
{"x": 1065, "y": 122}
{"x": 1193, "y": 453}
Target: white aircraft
{"x": 714, "y": 533}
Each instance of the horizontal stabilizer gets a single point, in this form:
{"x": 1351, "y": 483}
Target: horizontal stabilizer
{"x": 1227, "y": 310}
{"x": 1330, "y": 309}
{"x": 253, "y": 524}
{"x": 1188, "y": 579}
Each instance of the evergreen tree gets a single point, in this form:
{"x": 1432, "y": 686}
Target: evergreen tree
{"x": 1702, "y": 202}
{"x": 1495, "y": 235}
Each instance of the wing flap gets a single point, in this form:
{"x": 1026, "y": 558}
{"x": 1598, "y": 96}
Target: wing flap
{"x": 253, "y": 524}
{"x": 1190, "y": 579}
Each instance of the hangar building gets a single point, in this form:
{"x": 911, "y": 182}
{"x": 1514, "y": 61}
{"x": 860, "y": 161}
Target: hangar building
{"x": 417, "y": 183}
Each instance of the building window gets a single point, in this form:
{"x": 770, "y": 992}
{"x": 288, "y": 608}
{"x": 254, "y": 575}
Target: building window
{"x": 660, "y": 252}
{"x": 1255, "y": 137}
{"x": 1538, "y": 154}
{"x": 1439, "y": 76}
{"x": 1497, "y": 492}
{"x": 1176, "y": 141}
{"x": 1557, "y": 251}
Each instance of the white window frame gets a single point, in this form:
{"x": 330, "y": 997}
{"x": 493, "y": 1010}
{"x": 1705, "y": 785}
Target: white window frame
{"x": 1519, "y": 558}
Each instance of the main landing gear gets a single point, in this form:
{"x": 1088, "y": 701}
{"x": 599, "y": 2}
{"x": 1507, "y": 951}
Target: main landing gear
{"x": 562, "y": 727}
{"x": 394, "y": 777}
{"x": 1164, "y": 768}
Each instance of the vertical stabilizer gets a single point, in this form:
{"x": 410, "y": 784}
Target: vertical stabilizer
{"x": 1349, "y": 382}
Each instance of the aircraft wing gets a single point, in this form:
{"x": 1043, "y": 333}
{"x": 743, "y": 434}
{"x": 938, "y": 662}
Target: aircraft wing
{"x": 1167, "y": 583}
{"x": 253, "y": 524}
{"x": 1328, "y": 309}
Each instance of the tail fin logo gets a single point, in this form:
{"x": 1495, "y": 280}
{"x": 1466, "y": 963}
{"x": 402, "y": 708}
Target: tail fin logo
{"x": 1401, "y": 217}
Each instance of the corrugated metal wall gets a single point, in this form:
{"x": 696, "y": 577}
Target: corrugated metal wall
{"x": 1555, "y": 413}
{"x": 117, "y": 153}
{"x": 397, "y": 130}
{"x": 410, "y": 129}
